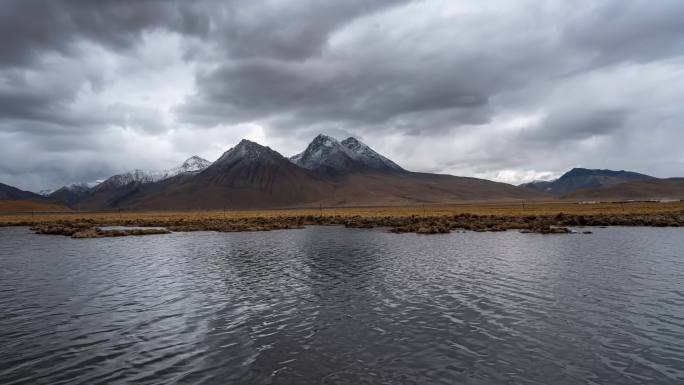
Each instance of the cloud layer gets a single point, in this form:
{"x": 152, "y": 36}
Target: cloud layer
{"x": 507, "y": 90}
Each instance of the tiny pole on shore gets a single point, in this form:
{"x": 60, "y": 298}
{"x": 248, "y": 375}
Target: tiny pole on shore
{"x": 320, "y": 207}
{"x": 424, "y": 212}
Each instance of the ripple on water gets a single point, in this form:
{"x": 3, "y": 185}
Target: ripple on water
{"x": 335, "y": 305}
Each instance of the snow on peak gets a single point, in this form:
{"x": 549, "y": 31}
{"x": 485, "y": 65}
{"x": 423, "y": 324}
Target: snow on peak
{"x": 78, "y": 187}
{"x": 192, "y": 165}
{"x": 363, "y": 153}
{"x": 246, "y": 150}
{"x": 326, "y": 152}
{"x": 323, "y": 152}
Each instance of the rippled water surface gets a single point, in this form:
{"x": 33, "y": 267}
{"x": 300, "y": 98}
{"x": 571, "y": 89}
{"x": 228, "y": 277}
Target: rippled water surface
{"x": 342, "y": 306}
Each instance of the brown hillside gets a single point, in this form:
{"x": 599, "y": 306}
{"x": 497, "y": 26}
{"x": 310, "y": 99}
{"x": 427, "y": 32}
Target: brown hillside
{"x": 646, "y": 190}
{"x": 30, "y": 206}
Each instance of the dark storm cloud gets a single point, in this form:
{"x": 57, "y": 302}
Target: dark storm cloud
{"x": 567, "y": 124}
{"x": 318, "y": 91}
{"x": 401, "y": 82}
{"x": 287, "y": 30}
{"x": 636, "y": 31}
{"x": 283, "y": 29}
{"x": 493, "y": 86}
{"x": 29, "y": 28}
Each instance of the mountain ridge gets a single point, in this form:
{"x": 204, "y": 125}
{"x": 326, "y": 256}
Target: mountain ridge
{"x": 8, "y": 192}
{"x": 335, "y": 173}
{"x": 328, "y": 155}
{"x": 250, "y": 175}
{"x": 583, "y": 178}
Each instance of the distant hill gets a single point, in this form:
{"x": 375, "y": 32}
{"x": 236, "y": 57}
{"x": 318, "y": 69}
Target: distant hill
{"x": 586, "y": 179}
{"x": 118, "y": 187}
{"x": 672, "y": 188}
{"x": 12, "y": 193}
{"x": 328, "y": 172}
{"x": 70, "y": 195}
{"x": 538, "y": 185}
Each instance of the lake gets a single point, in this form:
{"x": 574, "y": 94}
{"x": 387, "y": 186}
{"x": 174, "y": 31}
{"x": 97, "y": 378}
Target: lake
{"x": 328, "y": 305}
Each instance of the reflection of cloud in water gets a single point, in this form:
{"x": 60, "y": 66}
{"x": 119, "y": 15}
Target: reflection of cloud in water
{"x": 334, "y": 305}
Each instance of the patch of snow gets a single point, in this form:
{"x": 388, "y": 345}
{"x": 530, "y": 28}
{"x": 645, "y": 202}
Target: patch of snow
{"x": 366, "y": 155}
{"x": 247, "y": 151}
{"x": 323, "y": 152}
{"x": 192, "y": 165}
{"x": 327, "y": 152}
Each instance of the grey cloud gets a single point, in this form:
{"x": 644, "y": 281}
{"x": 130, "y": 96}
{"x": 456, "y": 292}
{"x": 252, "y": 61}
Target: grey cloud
{"x": 634, "y": 31}
{"x": 29, "y": 28}
{"x": 408, "y": 74}
{"x": 288, "y": 29}
{"x": 576, "y": 124}
{"x": 456, "y": 64}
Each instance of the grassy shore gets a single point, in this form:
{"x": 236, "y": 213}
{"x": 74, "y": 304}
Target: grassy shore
{"x": 541, "y": 217}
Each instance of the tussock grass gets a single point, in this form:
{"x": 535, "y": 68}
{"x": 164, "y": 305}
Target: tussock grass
{"x": 508, "y": 209}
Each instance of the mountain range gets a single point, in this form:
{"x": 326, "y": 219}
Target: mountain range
{"x": 582, "y": 179}
{"x": 330, "y": 173}
{"x": 588, "y": 184}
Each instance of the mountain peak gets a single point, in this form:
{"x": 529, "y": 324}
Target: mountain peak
{"x": 247, "y": 150}
{"x": 369, "y": 157}
{"x": 584, "y": 178}
{"x": 586, "y": 172}
{"x": 324, "y": 140}
{"x": 326, "y": 153}
{"x": 192, "y": 165}
{"x": 195, "y": 163}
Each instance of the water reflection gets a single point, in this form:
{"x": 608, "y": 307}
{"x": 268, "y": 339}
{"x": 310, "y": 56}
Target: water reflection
{"x": 333, "y": 305}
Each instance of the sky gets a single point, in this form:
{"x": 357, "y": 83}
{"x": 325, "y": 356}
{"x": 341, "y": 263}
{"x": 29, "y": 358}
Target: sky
{"x": 506, "y": 90}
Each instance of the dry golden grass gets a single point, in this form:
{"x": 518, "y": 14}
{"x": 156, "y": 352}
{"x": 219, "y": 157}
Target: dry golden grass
{"x": 30, "y": 206}
{"x": 495, "y": 209}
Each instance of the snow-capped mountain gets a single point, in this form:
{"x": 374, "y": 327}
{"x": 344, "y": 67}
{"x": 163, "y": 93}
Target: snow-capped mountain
{"x": 71, "y": 194}
{"x": 250, "y": 175}
{"x": 326, "y": 153}
{"x": 74, "y": 187}
{"x": 192, "y": 165}
{"x": 77, "y": 187}
{"x": 362, "y": 153}
{"x": 246, "y": 151}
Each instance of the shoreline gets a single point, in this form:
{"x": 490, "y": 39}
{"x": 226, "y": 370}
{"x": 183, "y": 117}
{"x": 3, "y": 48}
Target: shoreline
{"x": 540, "y": 218}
